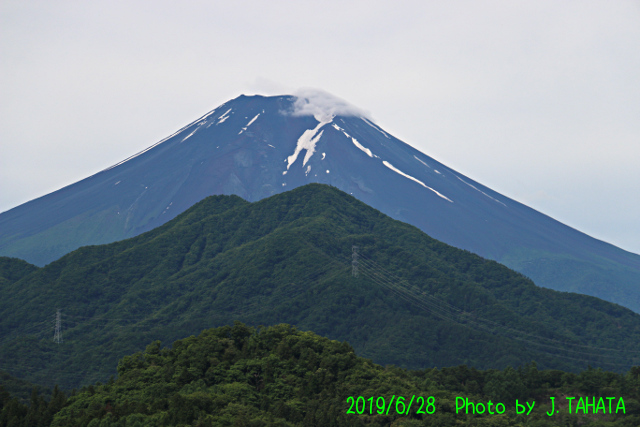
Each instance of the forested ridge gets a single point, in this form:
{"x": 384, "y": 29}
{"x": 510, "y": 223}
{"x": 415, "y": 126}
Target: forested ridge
{"x": 281, "y": 376}
{"x": 416, "y": 302}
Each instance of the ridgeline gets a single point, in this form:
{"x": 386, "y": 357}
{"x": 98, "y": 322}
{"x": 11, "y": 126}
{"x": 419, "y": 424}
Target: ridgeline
{"x": 415, "y": 303}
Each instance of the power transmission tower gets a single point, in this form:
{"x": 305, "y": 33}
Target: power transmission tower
{"x": 57, "y": 336}
{"x": 354, "y": 263}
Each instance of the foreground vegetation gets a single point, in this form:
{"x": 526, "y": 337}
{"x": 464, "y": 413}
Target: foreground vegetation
{"x": 280, "y": 376}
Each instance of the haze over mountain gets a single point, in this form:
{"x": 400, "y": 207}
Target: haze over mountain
{"x": 258, "y": 146}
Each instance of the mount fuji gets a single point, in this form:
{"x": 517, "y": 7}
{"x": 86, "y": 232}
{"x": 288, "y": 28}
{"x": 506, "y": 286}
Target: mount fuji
{"x": 256, "y": 146}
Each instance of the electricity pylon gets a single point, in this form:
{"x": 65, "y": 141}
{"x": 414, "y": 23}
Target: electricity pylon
{"x": 57, "y": 336}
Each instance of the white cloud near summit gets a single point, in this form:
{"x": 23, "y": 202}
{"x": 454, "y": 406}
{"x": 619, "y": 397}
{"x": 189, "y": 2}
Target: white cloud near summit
{"x": 528, "y": 98}
{"x": 322, "y": 105}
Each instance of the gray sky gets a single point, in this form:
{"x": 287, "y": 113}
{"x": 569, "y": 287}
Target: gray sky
{"x": 539, "y": 100}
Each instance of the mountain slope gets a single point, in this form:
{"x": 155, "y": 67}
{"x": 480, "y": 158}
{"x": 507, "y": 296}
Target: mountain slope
{"x": 257, "y": 146}
{"x": 13, "y": 269}
{"x": 416, "y": 302}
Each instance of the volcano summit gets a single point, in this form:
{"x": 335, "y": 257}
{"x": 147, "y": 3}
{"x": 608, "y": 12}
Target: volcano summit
{"x": 256, "y": 146}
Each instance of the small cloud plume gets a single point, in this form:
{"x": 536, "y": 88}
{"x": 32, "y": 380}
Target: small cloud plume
{"x": 322, "y": 105}
{"x": 264, "y": 86}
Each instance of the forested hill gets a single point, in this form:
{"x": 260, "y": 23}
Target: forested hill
{"x": 13, "y": 269}
{"x": 280, "y": 376}
{"x": 416, "y": 302}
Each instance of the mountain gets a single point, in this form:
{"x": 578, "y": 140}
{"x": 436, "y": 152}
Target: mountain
{"x": 415, "y": 303}
{"x": 255, "y": 146}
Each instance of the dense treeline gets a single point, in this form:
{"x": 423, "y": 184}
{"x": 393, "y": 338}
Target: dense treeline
{"x": 37, "y": 412}
{"x": 287, "y": 259}
{"x": 18, "y": 388}
{"x": 280, "y": 376}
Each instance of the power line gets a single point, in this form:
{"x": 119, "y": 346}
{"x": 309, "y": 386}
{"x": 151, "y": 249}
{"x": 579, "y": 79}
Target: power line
{"x": 456, "y": 309}
{"x": 448, "y": 312}
{"x": 354, "y": 262}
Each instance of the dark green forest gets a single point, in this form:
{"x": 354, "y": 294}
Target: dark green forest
{"x": 415, "y": 302}
{"x": 281, "y": 376}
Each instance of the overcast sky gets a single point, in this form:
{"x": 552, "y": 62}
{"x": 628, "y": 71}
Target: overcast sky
{"x": 539, "y": 100}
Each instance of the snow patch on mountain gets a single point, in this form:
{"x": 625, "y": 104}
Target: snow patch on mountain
{"x": 188, "y": 136}
{"x": 396, "y": 170}
{"x": 308, "y": 140}
{"x": 477, "y": 189}
{"x": 375, "y": 127}
{"x": 361, "y": 147}
{"x": 422, "y": 162}
{"x": 249, "y": 124}
{"x": 355, "y": 141}
{"x": 206, "y": 116}
{"x": 139, "y": 153}
{"x": 339, "y": 129}
{"x": 224, "y": 116}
